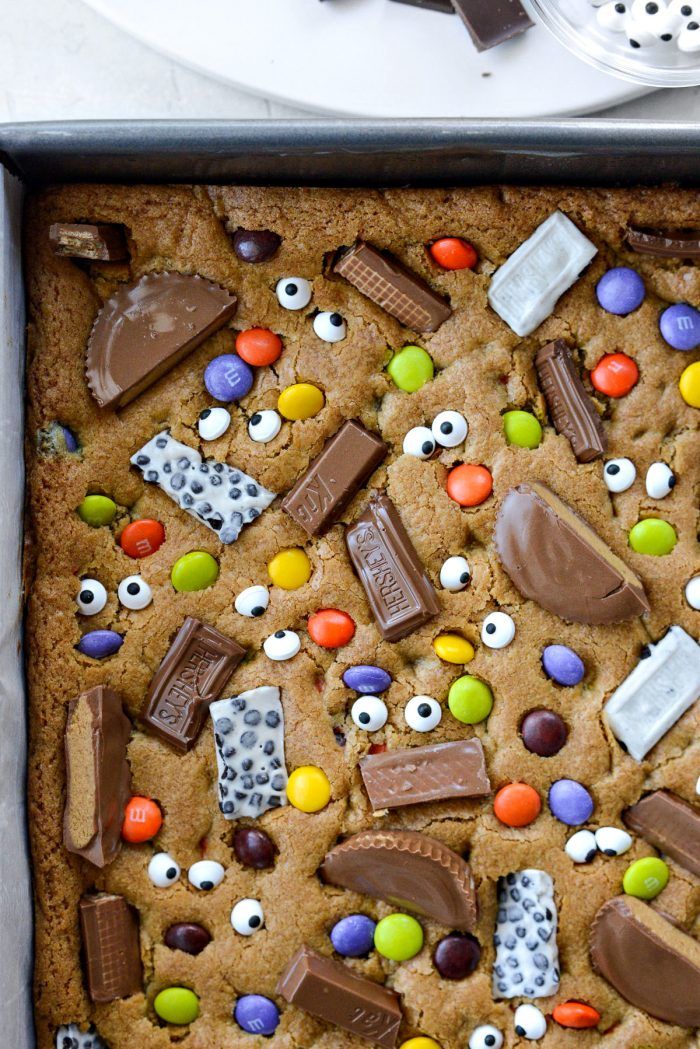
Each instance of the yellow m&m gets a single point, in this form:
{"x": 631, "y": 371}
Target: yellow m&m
{"x": 453, "y": 648}
{"x": 300, "y": 401}
{"x": 689, "y": 385}
{"x": 289, "y": 569}
{"x": 308, "y": 789}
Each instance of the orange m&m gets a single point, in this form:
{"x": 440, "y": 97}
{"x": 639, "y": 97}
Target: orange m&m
{"x": 453, "y": 253}
{"x": 142, "y": 538}
{"x": 469, "y": 485}
{"x": 258, "y": 346}
{"x": 615, "y": 374}
{"x": 575, "y": 1014}
{"x": 142, "y": 820}
{"x": 517, "y": 804}
{"x": 331, "y": 628}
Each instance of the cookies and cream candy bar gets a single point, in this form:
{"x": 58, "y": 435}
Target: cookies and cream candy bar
{"x": 249, "y": 737}
{"x": 220, "y": 496}
{"x": 664, "y": 684}
{"x": 527, "y": 957}
{"x": 526, "y": 288}
{"x": 69, "y": 1036}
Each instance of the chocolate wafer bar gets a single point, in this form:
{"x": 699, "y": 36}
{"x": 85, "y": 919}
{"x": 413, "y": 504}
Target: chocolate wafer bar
{"x": 111, "y": 943}
{"x": 665, "y": 244}
{"x": 670, "y": 825}
{"x": 81, "y": 240}
{"x": 491, "y": 22}
{"x": 572, "y": 411}
{"x": 433, "y": 773}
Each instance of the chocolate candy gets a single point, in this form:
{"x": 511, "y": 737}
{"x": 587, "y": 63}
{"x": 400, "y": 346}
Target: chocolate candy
{"x": 620, "y": 291}
{"x": 670, "y": 825}
{"x": 329, "y": 990}
{"x": 71, "y": 1037}
{"x": 544, "y": 732}
{"x": 525, "y": 290}
{"x": 648, "y": 961}
{"x": 651, "y": 699}
{"x": 146, "y": 328}
{"x": 554, "y": 558}
{"x": 188, "y": 937}
{"x": 563, "y": 665}
{"x": 219, "y": 495}
{"x": 527, "y": 958}
{"x": 570, "y": 802}
{"x": 445, "y": 6}
{"x": 407, "y": 869}
{"x": 111, "y": 946}
{"x": 256, "y": 1014}
{"x": 665, "y": 244}
{"x": 255, "y": 245}
{"x": 249, "y": 736}
{"x": 97, "y": 775}
{"x": 389, "y": 283}
{"x": 228, "y": 377}
{"x": 490, "y": 24}
{"x": 456, "y": 955}
{"x": 346, "y": 462}
{"x": 196, "y": 667}
{"x": 81, "y": 240}
{"x": 100, "y": 644}
{"x": 680, "y": 326}
{"x": 398, "y": 589}
{"x": 253, "y": 848}
{"x": 434, "y": 773}
{"x": 367, "y": 679}
{"x": 353, "y": 936}
{"x": 572, "y": 411}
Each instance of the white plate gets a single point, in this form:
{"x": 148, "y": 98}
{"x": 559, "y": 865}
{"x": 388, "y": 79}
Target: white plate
{"x": 371, "y": 58}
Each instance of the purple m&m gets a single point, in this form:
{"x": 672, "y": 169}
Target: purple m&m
{"x": 228, "y": 377}
{"x": 563, "y": 665}
{"x": 256, "y": 1014}
{"x": 570, "y": 802}
{"x": 620, "y": 290}
{"x": 367, "y": 679}
{"x": 353, "y": 937}
{"x": 680, "y": 326}
{"x": 98, "y": 644}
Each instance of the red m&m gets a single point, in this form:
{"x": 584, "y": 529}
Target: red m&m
{"x": 469, "y": 485}
{"x": 453, "y": 253}
{"x": 331, "y": 628}
{"x": 142, "y": 538}
{"x": 615, "y": 374}
{"x": 258, "y": 346}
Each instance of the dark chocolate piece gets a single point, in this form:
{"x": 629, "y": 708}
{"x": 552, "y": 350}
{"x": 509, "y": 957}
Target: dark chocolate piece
{"x": 491, "y": 22}
{"x": 407, "y": 869}
{"x": 392, "y": 286}
{"x": 665, "y": 244}
{"x": 437, "y": 772}
{"x": 146, "y": 328}
{"x": 398, "y": 589}
{"x": 111, "y": 945}
{"x": 97, "y": 775}
{"x": 572, "y": 411}
{"x": 554, "y": 558}
{"x": 346, "y": 462}
{"x": 334, "y": 993}
{"x": 444, "y": 6}
{"x": 255, "y": 245}
{"x": 80, "y": 240}
{"x": 192, "y": 675}
{"x": 670, "y": 824}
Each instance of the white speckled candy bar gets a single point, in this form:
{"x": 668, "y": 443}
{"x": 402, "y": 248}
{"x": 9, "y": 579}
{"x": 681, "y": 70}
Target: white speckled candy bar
{"x": 249, "y": 736}
{"x": 527, "y": 956}
{"x": 220, "y": 496}
{"x": 71, "y": 1037}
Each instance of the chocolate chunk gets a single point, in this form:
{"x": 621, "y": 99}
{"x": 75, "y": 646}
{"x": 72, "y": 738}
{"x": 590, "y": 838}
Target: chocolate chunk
{"x": 665, "y": 244}
{"x": 188, "y": 937}
{"x": 392, "y": 286}
{"x": 670, "y": 825}
{"x": 526, "y": 964}
{"x": 444, "y": 6}
{"x": 111, "y": 944}
{"x": 97, "y": 775}
{"x": 554, "y": 558}
{"x": 146, "y": 328}
{"x": 491, "y": 22}
{"x": 433, "y": 773}
{"x": 80, "y": 240}
{"x": 346, "y": 462}
{"x": 407, "y": 869}
{"x": 653, "y": 965}
{"x": 334, "y": 993}
{"x": 193, "y": 673}
{"x": 399, "y": 592}
{"x": 572, "y": 411}
{"x": 255, "y": 245}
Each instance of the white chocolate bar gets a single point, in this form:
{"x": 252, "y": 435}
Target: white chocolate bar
{"x": 527, "y": 957}
{"x": 71, "y": 1037}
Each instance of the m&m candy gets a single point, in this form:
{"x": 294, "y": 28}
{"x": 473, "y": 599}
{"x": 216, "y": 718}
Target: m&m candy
{"x": 258, "y": 346}
{"x": 522, "y": 429}
{"x": 469, "y": 485}
{"x": 615, "y": 375}
{"x": 411, "y": 368}
{"x": 254, "y": 848}
{"x": 142, "y": 538}
{"x": 353, "y": 936}
{"x": 544, "y": 732}
{"x": 680, "y": 326}
{"x": 453, "y": 253}
{"x": 142, "y": 820}
{"x": 177, "y": 1005}
{"x": 570, "y": 802}
{"x": 420, "y": 1042}
{"x": 517, "y": 804}
{"x": 646, "y": 878}
{"x": 99, "y": 644}
{"x": 575, "y": 1014}
{"x": 97, "y": 510}
{"x": 653, "y": 536}
{"x": 331, "y": 628}
{"x": 398, "y": 937}
{"x": 457, "y": 955}
{"x": 256, "y": 1014}
{"x": 308, "y": 789}
{"x": 187, "y": 936}
{"x": 470, "y": 700}
{"x": 228, "y": 378}
{"x": 289, "y": 569}
{"x": 689, "y": 385}
{"x": 194, "y": 571}
{"x": 300, "y": 401}
{"x": 620, "y": 290}
{"x": 453, "y": 648}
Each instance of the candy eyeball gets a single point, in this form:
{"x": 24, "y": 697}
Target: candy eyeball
{"x": 689, "y": 38}
{"x": 252, "y": 601}
{"x": 91, "y": 598}
{"x": 497, "y": 630}
{"x": 213, "y": 423}
{"x": 581, "y": 846}
{"x": 134, "y": 592}
{"x": 247, "y": 917}
{"x": 612, "y": 16}
{"x": 638, "y": 34}
{"x": 281, "y": 645}
{"x": 264, "y": 426}
{"x": 423, "y": 713}
{"x": 449, "y": 429}
{"x": 455, "y": 574}
{"x": 692, "y": 592}
{"x": 612, "y": 841}
{"x": 330, "y": 327}
{"x": 682, "y": 10}
{"x": 205, "y": 874}
{"x": 619, "y": 474}
{"x": 529, "y": 1022}
{"x": 293, "y": 293}
{"x": 486, "y": 1036}
{"x": 369, "y": 713}
{"x": 163, "y": 870}
{"x": 660, "y": 481}
{"x": 419, "y": 442}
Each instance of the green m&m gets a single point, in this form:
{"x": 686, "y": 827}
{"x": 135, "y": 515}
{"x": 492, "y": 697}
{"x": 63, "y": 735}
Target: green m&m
{"x": 194, "y": 571}
{"x": 653, "y": 536}
{"x": 411, "y": 368}
{"x": 97, "y": 510}
{"x": 470, "y": 700}
{"x": 177, "y": 1005}
{"x": 522, "y": 429}
{"x": 398, "y": 937}
{"x": 645, "y": 878}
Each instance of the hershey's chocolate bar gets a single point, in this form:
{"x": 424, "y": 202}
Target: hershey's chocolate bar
{"x": 334, "y": 993}
{"x": 665, "y": 244}
{"x": 572, "y": 411}
{"x": 444, "y": 6}
{"x": 433, "y": 773}
{"x": 398, "y": 589}
{"x": 346, "y": 461}
{"x": 670, "y": 825}
{"x": 111, "y": 944}
{"x": 193, "y": 673}
{"x": 491, "y": 22}
{"x": 81, "y": 240}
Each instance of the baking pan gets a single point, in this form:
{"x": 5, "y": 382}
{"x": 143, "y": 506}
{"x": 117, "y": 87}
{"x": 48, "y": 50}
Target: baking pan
{"x": 442, "y": 152}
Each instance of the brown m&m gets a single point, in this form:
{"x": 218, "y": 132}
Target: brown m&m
{"x": 543, "y": 732}
{"x": 254, "y": 848}
{"x": 457, "y": 955}
{"x": 188, "y": 937}
{"x": 255, "y": 245}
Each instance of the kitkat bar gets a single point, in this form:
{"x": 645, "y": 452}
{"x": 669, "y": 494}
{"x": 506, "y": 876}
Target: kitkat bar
{"x": 345, "y": 463}
{"x": 82, "y": 240}
{"x": 110, "y": 934}
{"x": 491, "y": 22}
{"x": 195, "y": 669}
{"x": 398, "y": 589}
{"x": 571, "y": 409}
{"x": 670, "y": 824}
{"x": 332, "y": 992}
{"x": 665, "y": 244}
{"x": 437, "y": 772}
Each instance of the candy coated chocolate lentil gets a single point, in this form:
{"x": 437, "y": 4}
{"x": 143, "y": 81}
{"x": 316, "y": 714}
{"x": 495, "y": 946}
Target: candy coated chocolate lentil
{"x": 97, "y": 510}
{"x": 367, "y": 679}
{"x": 646, "y": 878}
{"x": 300, "y": 401}
{"x": 456, "y": 955}
{"x": 453, "y": 253}
{"x": 255, "y": 245}
{"x": 194, "y": 571}
{"x": 420, "y": 1042}
{"x": 308, "y": 789}
{"x": 575, "y": 1014}
{"x": 142, "y": 538}
{"x": 228, "y": 377}
{"x": 99, "y": 644}
{"x": 188, "y": 937}
{"x": 470, "y": 700}
{"x": 258, "y": 346}
{"x": 177, "y": 1005}
{"x": 563, "y": 665}
{"x": 254, "y": 848}
{"x": 289, "y": 569}
{"x": 453, "y": 648}
{"x": 398, "y": 937}
{"x": 522, "y": 429}
{"x": 469, "y": 485}
{"x": 256, "y": 1014}
{"x": 331, "y": 628}
{"x": 411, "y": 368}
{"x": 620, "y": 290}
{"x": 689, "y": 385}
{"x": 142, "y": 820}
{"x": 615, "y": 375}
{"x": 680, "y": 326}
{"x": 653, "y": 536}
{"x": 517, "y": 804}
{"x": 570, "y": 802}
{"x": 353, "y": 936}
{"x": 544, "y": 733}
{"x": 69, "y": 439}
